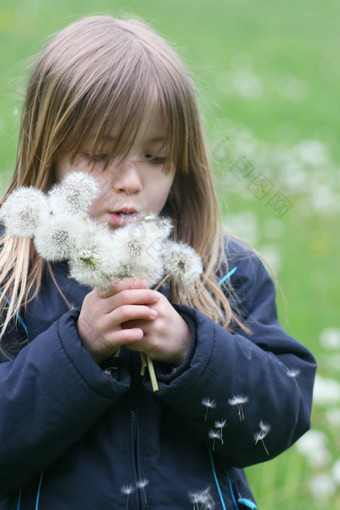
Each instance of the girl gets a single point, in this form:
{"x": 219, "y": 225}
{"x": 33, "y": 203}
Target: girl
{"x": 80, "y": 428}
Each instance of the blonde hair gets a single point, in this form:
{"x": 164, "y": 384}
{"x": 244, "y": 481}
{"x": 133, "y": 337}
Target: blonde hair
{"x": 106, "y": 72}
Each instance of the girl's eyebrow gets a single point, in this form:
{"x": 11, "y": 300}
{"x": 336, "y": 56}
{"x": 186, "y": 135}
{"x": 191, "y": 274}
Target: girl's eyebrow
{"x": 154, "y": 139}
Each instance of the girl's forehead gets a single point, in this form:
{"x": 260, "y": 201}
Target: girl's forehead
{"x": 152, "y": 127}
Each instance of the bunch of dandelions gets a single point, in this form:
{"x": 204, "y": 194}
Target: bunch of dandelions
{"x": 61, "y": 229}
{"x": 57, "y": 221}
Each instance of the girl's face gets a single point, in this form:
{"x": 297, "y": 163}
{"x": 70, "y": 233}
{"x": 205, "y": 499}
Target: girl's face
{"x": 137, "y": 184}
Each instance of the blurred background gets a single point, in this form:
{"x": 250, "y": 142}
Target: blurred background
{"x": 267, "y": 75}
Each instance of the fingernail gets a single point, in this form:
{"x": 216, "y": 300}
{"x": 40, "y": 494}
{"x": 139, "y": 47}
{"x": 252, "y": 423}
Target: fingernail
{"x": 154, "y": 314}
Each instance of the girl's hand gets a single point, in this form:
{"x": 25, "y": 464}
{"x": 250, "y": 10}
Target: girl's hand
{"x": 167, "y": 338}
{"x": 102, "y": 320}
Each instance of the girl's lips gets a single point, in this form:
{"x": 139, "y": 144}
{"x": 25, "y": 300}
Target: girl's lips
{"x": 122, "y": 218}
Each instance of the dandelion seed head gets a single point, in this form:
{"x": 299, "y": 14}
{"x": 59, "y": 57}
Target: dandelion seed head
{"x": 54, "y": 240}
{"x": 158, "y": 227}
{"x": 74, "y": 194}
{"x": 95, "y": 260}
{"x": 182, "y": 262}
{"x": 141, "y": 252}
{"x": 23, "y": 211}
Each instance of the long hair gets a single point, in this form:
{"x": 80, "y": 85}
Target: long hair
{"x": 105, "y": 72}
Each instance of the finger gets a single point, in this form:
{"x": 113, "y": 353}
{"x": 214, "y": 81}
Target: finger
{"x": 126, "y": 284}
{"x": 127, "y": 313}
{"x": 126, "y": 336}
{"x": 130, "y": 297}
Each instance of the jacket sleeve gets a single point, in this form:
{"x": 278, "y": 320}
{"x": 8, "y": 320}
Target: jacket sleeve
{"x": 260, "y": 383}
{"x": 51, "y": 394}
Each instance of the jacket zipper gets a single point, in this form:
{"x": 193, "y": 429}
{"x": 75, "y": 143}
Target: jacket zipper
{"x": 134, "y": 437}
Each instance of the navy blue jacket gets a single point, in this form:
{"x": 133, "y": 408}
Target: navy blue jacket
{"x": 75, "y": 435}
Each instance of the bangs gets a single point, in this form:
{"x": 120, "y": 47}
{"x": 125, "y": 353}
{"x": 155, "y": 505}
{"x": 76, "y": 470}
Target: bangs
{"x": 117, "y": 103}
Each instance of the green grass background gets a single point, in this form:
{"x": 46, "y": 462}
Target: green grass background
{"x": 281, "y": 42}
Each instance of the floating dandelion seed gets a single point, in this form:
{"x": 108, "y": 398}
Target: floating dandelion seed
{"x": 202, "y": 500}
{"x": 263, "y": 432}
{"x": 141, "y": 484}
{"x": 238, "y": 401}
{"x": 74, "y": 194}
{"x": 127, "y": 489}
{"x": 215, "y": 434}
{"x": 23, "y": 211}
{"x": 293, "y": 373}
{"x": 220, "y": 424}
{"x": 209, "y": 404}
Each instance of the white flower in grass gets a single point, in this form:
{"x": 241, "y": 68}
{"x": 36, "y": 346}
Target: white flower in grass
{"x": 128, "y": 490}
{"x": 262, "y": 433}
{"x": 333, "y": 416}
{"x": 314, "y": 446}
{"x": 209, "y": 404}
{"x": 238, "y": 401}
{"x": 322, "y": 487}
{"x": 74, "y": 194}
{"x": 182, "y": 262}
{"x": 330, "y": 338}
{"x": 55, "y": 240}
{"x": 336, "y": 472}
{"x": 215, "y": 434}
{"x": 326, "y": 391}
{"x": 23, "y": 211}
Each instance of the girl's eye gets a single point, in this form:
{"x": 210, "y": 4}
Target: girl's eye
{"x": 100, "y": 157}
{"x": 96, "y": 158}
{"x": 156, "y": 160}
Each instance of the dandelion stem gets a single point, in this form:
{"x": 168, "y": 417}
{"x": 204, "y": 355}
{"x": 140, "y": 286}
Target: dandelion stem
{"x": 145, "y": 500}
{"x": 152, "y": 374}
{"x": 165, "y": 279}
{"x": 143, "y": 362}
{"x": 117, "y": 353}
{"x": 265, "y": 448}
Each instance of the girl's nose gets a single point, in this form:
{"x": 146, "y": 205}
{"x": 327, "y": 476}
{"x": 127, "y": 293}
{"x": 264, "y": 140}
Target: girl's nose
{"x": 126, "y": 178}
